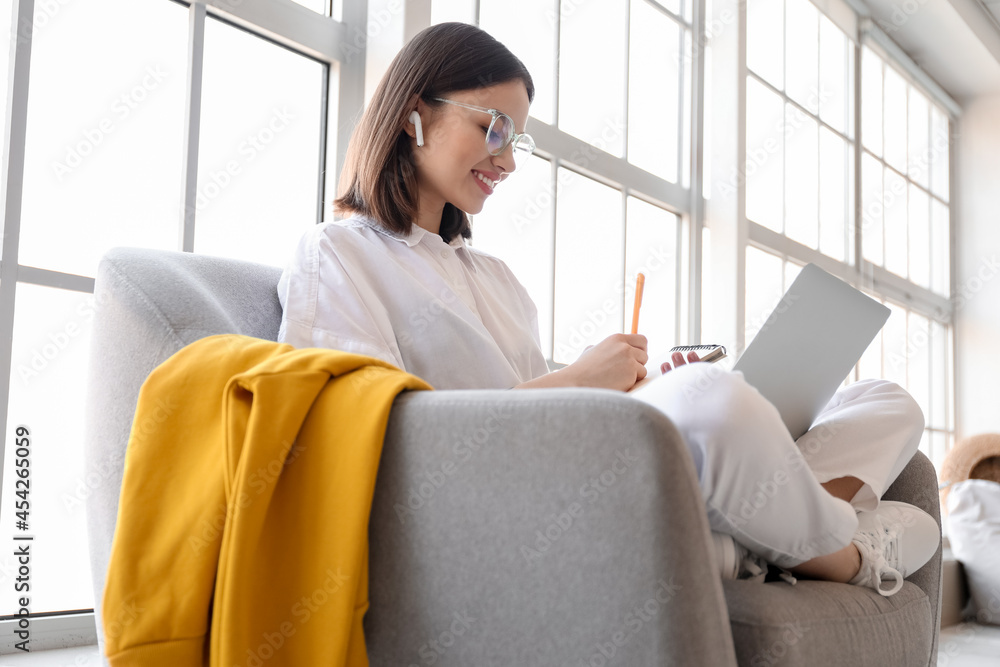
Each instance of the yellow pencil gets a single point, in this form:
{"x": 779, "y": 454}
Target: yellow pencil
{"x": 640, "y": 280}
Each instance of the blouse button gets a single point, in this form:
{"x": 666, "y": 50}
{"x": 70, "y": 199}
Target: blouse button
{"x": 444, "y": 254}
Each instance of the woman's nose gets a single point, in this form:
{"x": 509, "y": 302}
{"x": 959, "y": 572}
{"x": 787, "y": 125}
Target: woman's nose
{"x": 505, "y": 161}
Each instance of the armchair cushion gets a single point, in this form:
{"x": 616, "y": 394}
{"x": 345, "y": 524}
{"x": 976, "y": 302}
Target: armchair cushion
{"x": 825, "y": 623}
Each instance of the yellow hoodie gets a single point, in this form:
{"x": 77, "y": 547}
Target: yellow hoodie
{"x": 242, "y": 534}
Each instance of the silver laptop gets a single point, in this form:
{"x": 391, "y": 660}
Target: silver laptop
{"x": 809, "y": 345}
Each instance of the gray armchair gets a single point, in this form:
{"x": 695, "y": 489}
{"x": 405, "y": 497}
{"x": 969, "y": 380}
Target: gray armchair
{"x": 544, "y": 527}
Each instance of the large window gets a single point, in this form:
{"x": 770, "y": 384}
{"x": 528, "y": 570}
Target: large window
{"x": 876, "y": 214}
{"x": 800, "y": 129}
{"x": 905, "y": 179}
{"x": 906, "y": 228}
{"x": 215, "y": 135}
{"x": 222, "y": 132}
{"x": 607, "y": 194}
{"x": 260, "y": 137}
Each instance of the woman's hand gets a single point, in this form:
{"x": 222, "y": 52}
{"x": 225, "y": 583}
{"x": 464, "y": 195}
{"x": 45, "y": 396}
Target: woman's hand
{"x": 617, "y": 362}
{"x": 679, "y": 361}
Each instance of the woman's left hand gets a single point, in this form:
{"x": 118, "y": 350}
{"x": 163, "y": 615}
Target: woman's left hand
{"x": 679, "y": 361}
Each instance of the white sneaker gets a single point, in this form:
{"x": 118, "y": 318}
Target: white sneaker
{"x": 894, "y": 541}
{"x": 736, "y": 561}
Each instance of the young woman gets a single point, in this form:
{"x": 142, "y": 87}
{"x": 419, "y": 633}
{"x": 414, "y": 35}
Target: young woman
{"x": 396, "y": 280}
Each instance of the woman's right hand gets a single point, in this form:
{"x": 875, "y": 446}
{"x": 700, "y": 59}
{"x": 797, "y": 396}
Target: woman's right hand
{"x": 617, "y": 362}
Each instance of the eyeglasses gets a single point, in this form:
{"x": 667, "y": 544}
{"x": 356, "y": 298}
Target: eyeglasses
{"x": 501, "y": 134}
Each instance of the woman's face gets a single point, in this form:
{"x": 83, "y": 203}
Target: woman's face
{"x": 454, "y": 160}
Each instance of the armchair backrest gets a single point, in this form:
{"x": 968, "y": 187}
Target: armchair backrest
{"x": 150, "y": 304}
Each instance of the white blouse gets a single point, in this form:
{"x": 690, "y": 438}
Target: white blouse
{"x": 448, "y": 313}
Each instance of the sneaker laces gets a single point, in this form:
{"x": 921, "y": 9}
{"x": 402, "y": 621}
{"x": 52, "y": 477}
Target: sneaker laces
{"x": 755, "y": 568}
{"x": 878, "y": 548}
{"x": 787, "y": 576}
{"x": 751, "y": 566}
{"x": 736, "y": 561}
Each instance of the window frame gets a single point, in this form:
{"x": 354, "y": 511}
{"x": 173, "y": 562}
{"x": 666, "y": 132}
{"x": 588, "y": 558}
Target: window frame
{"x": 339, "y": 45}
{"x": 565, "y": 150}
{"x": 863, "y": 273}
{"x": 856, "y": 269}
{"x": 344, "y": 43}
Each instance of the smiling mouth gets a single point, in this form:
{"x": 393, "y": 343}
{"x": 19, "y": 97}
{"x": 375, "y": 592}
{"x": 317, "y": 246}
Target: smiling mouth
{"x": 490, "y": 184}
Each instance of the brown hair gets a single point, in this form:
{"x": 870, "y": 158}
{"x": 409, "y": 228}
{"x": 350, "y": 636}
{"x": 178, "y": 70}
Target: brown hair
{"x": 379, "y": 179}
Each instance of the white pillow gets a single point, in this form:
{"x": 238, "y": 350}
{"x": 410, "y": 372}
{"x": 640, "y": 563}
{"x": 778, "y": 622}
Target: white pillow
{"x": 974, "y": 531}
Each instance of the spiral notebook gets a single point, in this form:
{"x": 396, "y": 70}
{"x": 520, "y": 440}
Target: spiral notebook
{"x": 809, "y": 344}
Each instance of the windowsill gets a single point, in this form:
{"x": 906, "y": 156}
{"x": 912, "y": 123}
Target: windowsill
{"x": 78, "y": 656}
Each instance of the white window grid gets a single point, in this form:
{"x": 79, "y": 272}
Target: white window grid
{"x": 278, "y": 20}
{"x": 337, "y": 39}
{"x": 563, "y": 150}
{"x": 910, "y": 300}
{"x": 935, "y": 145}
{"x": 847, "y": 134}
{"x": 859, "y": 271}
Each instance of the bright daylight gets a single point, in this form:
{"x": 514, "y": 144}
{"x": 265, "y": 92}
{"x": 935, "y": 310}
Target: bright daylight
{"x": 468, "y": 332}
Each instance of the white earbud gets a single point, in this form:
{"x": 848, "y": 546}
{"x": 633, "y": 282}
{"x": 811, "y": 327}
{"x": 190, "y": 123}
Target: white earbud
{"x": 415, "y": 119}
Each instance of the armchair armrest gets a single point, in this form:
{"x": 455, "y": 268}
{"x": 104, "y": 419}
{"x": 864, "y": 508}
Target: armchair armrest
{"x": 540, "y": 527}
{"x": 918, "y": 485}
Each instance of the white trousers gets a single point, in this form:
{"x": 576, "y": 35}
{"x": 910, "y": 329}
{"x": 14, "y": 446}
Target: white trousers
{"x": 762, "y": 487}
